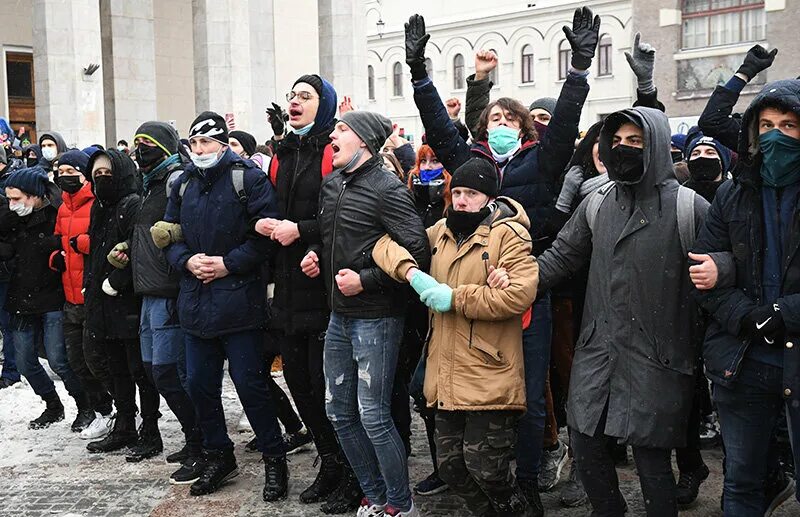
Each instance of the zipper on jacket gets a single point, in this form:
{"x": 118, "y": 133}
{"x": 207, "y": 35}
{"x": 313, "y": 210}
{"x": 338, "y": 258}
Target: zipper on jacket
{"x": 333, "y": 239}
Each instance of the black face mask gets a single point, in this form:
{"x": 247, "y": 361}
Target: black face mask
{"x": 705, "y": 169}
{"x": 429, "y": 194}
{"x": 626, "y": 165}
{"x": 104, "y": 188}
{"x": 31, "y": 162}
{"x": 147, "y": 156}
{"x": 69, "y": 184}
{"x": 676, "y": 156}
{"x": 465, "y": 223}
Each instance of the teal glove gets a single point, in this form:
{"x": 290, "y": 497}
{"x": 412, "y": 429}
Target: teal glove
{"x": 422, "y": 282}
{"x": 439, "y": 298}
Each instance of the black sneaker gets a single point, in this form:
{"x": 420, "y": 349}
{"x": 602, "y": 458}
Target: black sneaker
{"x": 122, "y": 435}
{"x": 530, "y": 490}
{"x": 220, "y": 467}
{"x": 777, "y": 490}
{"x": 347, "y": 496}
{"x": 689, "y": 485}
{"x": 190, "y": 471}
{"x": 276, "y": 479}
{"x": 54, "y": 412}
{"x": 83, "y": 420}
{"x": 179, "y": 456}
{"x": 296, "y": 442}
{"x": 431, "y": 485}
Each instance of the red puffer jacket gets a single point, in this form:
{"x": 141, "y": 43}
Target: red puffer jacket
{"x": 72, "y": 225}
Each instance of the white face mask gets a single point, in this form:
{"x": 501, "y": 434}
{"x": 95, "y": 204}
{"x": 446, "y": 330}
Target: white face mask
{"x": 205, "y": 161}
{"x": 49, "y": 153}
{"x": 121, "y": 148}
{"x": 20, "y": 208}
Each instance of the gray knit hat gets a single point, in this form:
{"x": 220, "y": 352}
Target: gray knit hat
{"x": 372, "y": 128}
{"x": 546, "y": 103}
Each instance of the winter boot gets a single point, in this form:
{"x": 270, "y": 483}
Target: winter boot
{"x": 85, "y": 414}
{"x": 515, "y": 506}
{"x": 220, "y": 467}
{"x": 54, "y": 412}
{"x": 122, "y": 435}
{"x": 328, "y": 478}
{"x": 276, "y": 478}
{"x": 149, "y": 443}
{"x": 347, "y": 496}
{"x": 529, "y": 490}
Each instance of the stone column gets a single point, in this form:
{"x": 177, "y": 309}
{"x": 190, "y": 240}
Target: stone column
{"x": 66, "y": 39}
{"x": 343, "y": 47}
{"x": 234, "y": 60}
{"x": 129, "y": 66}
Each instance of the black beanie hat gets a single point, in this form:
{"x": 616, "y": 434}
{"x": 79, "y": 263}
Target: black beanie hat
{"x": 247, "y": 140}
{"x": 312, "y": 79}
{"x": 372, "y": 128}
{"x": 478, "y": 174}
{"x": 210, "y": 125}
{"x": 32, "y": 181}
{"x": 160, "y": 133}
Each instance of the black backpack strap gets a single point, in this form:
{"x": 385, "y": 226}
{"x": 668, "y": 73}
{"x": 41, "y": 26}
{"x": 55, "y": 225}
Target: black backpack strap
{"x": 237, "y": 178}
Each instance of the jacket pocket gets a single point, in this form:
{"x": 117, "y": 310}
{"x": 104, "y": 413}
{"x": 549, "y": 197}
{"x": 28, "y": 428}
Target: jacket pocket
{"x": 490, "y": 355}
{"x": 586, "y": 335}
{"x": 672, "y": 358}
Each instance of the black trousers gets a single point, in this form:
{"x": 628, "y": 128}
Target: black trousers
{"x": 302, "y": 369}
{"x": 98, "y": 397}
{"x": 689, "y": 458}
{"x": 283, "y": 407}
{"x": 599, "y": 476}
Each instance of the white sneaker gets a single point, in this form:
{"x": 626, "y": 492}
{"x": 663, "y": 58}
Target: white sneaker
{"x": 370, "y": 510}
{"x": 392, "y": 512}
{"x": 99, "y": 427}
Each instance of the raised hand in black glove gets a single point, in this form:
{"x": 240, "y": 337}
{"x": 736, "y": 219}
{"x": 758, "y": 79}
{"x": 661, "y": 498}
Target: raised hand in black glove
{"x": 765, "y": 322}
{"x": 277, "y": 119}
{"x": 757, "y": 60}
{"x": 582, "y": 38}
{"x": 416, "y": 39}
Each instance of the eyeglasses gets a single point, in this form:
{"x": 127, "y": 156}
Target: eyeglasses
{"x": 303, "y": 96}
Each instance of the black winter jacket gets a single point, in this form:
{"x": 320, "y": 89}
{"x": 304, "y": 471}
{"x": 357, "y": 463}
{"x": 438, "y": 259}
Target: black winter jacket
{"x": 34, "y": 288}
{"x": 300, "y": 303}
{"x": 716, "y": 120}
{"x": 152, "y": 274}
{"x": 735, "y": 224}
{"x": 355, "y": 210}
{"x": 112, "y": 221}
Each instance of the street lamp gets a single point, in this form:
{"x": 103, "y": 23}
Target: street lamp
{"x": 379, "y": 25}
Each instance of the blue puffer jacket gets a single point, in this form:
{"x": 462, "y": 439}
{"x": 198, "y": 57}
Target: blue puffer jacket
{"x": 531, "y": 175}
{"x": 216, "y": 223}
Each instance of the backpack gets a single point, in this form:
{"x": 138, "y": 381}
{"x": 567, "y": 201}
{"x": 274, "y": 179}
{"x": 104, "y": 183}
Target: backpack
{"x": 237, "y": 179}
{"x": 685, "y": 209}
{"x": 327, "y": 165}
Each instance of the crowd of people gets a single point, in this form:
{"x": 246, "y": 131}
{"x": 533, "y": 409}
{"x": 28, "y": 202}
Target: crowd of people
{"x": 512, "y": 276}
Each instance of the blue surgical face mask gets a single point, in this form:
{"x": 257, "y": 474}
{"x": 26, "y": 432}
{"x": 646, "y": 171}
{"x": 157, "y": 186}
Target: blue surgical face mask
{"x": 503, "y": 139}
{"x": 353, "y": 160}
{"x": 303, "y": 130}
{"x": 426, "y": 176}
{"x": 205, "y": 161}
{"x": 780, "y": 165}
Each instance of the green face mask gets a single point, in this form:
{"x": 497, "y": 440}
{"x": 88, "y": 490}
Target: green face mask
{"x": 502, "y": 139}
{"x": 781, "y": 159}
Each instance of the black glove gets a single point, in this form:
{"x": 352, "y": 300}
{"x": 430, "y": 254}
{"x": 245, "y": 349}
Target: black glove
{"x": 416, "y": 39}
{"x": 58, "y": 262}
{"x": 765, "y": 322}
{"x": 277, "y": 119}
{"x": 582, "y": 38}
{"x": 757, "y": 60}
{"x": 73, "y": 243}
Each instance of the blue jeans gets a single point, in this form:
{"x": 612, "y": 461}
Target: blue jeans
{"x": 536, "y": 354}
{"x": 360, "y": 361}
{"x": 24, "y": 332}
{"x": 748, "y": 413}
{"x": 9, "y": 353}
{"x": 205, "y": 360}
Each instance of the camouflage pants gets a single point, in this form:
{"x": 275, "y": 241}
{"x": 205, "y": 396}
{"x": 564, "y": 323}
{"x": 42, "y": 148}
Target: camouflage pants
{"x": 474, "y": 451}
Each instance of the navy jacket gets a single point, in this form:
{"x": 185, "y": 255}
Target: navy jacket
{"x": 735, "y": 224}
{"x": 216, "y": 223}
{"x": 531, "y": 176}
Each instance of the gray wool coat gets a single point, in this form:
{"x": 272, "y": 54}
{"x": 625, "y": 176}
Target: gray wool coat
{"x": 637, "y": 352}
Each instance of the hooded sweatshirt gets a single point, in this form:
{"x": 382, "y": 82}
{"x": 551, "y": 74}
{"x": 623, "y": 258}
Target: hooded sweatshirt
{"x": 61, "y": 146}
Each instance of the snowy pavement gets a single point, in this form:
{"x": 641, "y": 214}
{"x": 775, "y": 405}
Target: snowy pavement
{"x": 49, "y": 473}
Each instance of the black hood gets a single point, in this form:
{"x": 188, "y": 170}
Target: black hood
{"x": 123, "y": 172}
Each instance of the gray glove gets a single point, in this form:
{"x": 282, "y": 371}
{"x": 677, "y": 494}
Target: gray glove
{"x": 642, "y": 63}
{"x": 572, "y": 182}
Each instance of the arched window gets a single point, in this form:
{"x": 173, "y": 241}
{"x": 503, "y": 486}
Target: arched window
{"x": 371, "y": 82}
{"x": 527, "y": 64}
{"x": 564, "y": 51}
{"x": 604, "y": 63}
{"x": 429, "y": 66}
{"x": 493, "y": 76}
{"x": 458, "y": 72}
{"x": 397, "y": 77}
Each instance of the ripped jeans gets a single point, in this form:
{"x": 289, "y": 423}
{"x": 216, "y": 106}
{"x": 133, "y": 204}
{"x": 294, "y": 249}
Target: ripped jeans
{"x": 360, "y": 359}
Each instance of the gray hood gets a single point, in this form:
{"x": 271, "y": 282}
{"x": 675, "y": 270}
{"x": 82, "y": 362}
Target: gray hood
{"x": 61, "y": 146}
{"x": 657, "y": 159}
